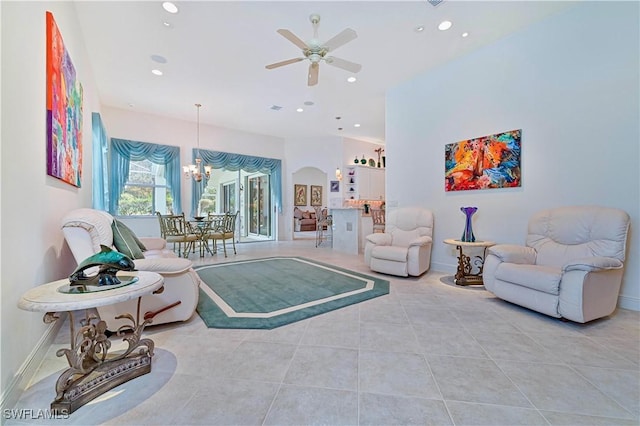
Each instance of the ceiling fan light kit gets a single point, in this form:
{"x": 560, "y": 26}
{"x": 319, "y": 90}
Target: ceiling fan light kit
{"x": 316, "y": 52}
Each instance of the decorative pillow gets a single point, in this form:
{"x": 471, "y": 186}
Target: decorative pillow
{"x": 126, "y": 241}
{"x": 306, "y": 215}
{"x": 297, "y": 213}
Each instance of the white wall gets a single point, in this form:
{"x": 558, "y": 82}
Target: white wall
{"x": 571, "y": 84}
{"x": 33, "y": 250}
{"x": 132, "y": 125}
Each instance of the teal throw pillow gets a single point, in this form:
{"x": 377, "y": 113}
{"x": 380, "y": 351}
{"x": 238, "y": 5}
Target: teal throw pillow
{"x": 126, "y": 241}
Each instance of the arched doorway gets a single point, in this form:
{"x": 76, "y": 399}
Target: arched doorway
{"x": 314, "y": 183}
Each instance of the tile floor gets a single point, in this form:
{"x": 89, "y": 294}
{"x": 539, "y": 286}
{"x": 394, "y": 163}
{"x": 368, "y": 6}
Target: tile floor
{"x": 427, "y": 353}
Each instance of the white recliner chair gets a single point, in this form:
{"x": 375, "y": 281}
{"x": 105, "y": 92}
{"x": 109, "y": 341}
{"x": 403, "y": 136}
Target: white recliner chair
{"x": 405, "y": 247}
{"x": 571, "y": 266}
{"x": 86, "y": 229}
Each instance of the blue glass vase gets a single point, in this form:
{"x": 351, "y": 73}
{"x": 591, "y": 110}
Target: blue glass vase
{"x": 467, "y": 235}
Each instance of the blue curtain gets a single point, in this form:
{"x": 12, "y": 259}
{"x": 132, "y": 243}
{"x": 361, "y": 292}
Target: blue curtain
{"x": 123, "y": 151}
{"x": 100, "y": 191}
{"x": 235, "y": 162}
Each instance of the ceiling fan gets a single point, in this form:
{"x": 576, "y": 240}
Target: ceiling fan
{"x": 315, "y": 51}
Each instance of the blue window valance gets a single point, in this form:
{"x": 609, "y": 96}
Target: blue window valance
{"x": 235, "y": 162}
{"x": 123, "y": 151}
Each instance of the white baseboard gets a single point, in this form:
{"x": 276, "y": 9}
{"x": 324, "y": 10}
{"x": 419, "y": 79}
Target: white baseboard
{"x": 628, "y": 302}
{"x": 29, "y": 367}
{"x": 445, "y": 268}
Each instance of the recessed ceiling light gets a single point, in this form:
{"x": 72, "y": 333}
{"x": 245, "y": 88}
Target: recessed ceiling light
{"x": 339, "y": 128}
{"x": 465, "y": 34}
{"x": 167, "y": 24}
{"x": 444, "y": 25}
{"x": 356, "y": 125}
{"x": 131, "y": 105}
{"x": 170, "y": 7}
{"x": 299, "y": 110}
{"x": 351, "y": 79}
{"x": 419, "y": 28}
{"x": 159, "y": 59}
{"x": 156, "y": 72}
{"x": 308, "y": 103}
{"x": 338, "y": 118}
{"x": 276, "y": 107}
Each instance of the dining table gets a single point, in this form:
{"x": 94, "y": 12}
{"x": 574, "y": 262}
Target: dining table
{"x": 204, "y": 228}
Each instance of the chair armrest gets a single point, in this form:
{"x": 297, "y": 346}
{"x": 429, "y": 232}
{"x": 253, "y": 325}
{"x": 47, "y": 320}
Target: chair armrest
{"x": 380, "y": 239}
{"x": 591, "y": 264}
{"x": 163, "y": 265}
{"x": 153, "y": 243}
{"x": 513, "y": 254}
{"x": 421, "y": 241}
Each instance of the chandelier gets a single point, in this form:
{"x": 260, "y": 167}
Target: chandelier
{"x": 197, "y": 171}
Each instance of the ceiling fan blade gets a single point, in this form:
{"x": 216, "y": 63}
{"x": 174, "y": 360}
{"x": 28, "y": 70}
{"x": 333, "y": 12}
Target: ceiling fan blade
{"x": 342, "y": 63}
{"x": 292, "y": 38}
{"x": 283, "y": 63}
{"x": 340, "y": 39}
{"x": 313, "y": 74}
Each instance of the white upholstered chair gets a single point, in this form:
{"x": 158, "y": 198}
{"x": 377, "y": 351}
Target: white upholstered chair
{"x": 86, "y": 229}
{"x": 405, "y": 247}
{"x": 570, "y": 267}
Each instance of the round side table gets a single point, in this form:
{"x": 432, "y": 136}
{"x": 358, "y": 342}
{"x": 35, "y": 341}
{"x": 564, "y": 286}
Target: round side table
{"x": 92, "y": 369}
{"x": 465, "y": 274}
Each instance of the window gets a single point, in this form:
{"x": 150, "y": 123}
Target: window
{"x": 229, "y": 197}
{"x": 145, "y": 191}
{"x": 144, "y": 178}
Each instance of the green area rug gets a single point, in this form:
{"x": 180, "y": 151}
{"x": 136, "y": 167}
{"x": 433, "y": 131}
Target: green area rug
{"x": 270, "y": 292}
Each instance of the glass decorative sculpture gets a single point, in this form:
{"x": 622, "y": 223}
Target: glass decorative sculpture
{"x": 467, "y": 235}
{"x": 108, "y": 261}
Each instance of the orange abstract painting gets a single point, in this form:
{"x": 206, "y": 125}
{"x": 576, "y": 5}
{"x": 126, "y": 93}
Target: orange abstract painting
{"x": 64, "y": 110}
{"x": 486, "y": 162}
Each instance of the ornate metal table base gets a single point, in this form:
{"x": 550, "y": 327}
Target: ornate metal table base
{"x": 465, "y": 274}
{"x": 92, "y": 369}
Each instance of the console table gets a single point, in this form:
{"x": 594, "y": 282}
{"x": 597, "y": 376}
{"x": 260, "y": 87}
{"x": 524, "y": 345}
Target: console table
{"x": 92, "y": 369}
{"x": 465, "y": 274}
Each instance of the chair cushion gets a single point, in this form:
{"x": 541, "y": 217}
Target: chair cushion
{"x": 126, "y": 241}
{"x": 541, "y": 278}
{"x": 395, "y": 253}
{"x": 404, "y": 238}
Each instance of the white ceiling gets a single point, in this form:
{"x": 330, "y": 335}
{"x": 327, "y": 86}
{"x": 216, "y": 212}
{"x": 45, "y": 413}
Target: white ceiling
{"x": 217, "y": 51}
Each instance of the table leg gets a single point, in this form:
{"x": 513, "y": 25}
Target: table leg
{"x": 464, "y": 274}
{"x": 92, "y": 369}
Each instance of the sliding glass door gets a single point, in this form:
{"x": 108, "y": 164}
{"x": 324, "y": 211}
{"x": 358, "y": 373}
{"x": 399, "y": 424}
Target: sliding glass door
{"x": 259, "y": 205}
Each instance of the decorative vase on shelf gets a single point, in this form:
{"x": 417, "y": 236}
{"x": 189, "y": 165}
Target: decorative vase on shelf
{"x": 384, "y": 161}
{"x": 467, "y": 235}
{"x": 356, "y": 161}
{"x": 364, "y": 160}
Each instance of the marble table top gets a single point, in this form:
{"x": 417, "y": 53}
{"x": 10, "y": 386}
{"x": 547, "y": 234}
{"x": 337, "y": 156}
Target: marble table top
{"x": 469, "y": 243}
{"x": 47, "y": 297}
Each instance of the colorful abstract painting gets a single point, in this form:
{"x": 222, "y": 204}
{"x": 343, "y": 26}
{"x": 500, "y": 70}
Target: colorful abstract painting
{"x": 486, "y": 162}
{"x": 64, "y": 110}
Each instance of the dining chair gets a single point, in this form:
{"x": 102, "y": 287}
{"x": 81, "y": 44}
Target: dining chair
{"x": 227, "y": 231}
{"x": 218, "y": 231}
{"x": 324, "y": 226}
{"x": 378, "y": 220}
{"x": 175, "y": 229}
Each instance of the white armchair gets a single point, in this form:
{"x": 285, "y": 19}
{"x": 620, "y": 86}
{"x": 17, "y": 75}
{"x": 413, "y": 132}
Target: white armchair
{"x": 86, "y": 229}
{"x": 571, "y": 266}
{"x": 405, "y": 247}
